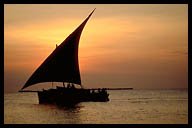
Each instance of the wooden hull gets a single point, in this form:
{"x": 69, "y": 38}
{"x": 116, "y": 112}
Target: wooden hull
{"x": 71, "y": 96}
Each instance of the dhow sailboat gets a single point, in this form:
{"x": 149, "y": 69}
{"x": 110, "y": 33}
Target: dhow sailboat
{"x": 62, "y": 65}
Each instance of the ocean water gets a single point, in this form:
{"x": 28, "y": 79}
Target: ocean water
{"x": 124, "y": 107}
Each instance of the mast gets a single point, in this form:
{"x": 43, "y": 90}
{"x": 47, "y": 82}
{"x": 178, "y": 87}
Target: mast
{"x": 62, "y": 64}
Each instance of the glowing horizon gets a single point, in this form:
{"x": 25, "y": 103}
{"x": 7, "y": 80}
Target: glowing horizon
{"x": 130, "y": 45}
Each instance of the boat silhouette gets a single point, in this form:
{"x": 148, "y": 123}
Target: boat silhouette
{"x": 62, "y": 65}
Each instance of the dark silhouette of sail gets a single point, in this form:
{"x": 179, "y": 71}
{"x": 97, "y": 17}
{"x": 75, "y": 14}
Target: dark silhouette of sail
{"x": 62, "y": 64}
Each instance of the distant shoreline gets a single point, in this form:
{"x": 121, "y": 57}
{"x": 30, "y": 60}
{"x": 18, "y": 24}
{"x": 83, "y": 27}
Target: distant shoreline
{"x": 112, "y": 88}
{"x": 86, "y": 88}
{"x": 115, "y": 89}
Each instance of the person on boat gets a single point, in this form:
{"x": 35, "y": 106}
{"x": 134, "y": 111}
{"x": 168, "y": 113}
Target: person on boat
{"x": 68, "y": 85}
{"x": 89, "y": 91}
{"x": 103, "y": 90}
{"x": 93, "y": 91}
{"x": 63, "y": 84}
{"x": 73, "y": 87}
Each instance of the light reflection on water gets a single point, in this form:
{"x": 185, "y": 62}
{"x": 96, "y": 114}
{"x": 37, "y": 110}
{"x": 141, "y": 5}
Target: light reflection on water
{"x": 127, "y": 107}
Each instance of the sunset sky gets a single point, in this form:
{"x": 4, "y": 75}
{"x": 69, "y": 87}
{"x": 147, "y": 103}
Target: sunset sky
{"x": 138, "y": 46}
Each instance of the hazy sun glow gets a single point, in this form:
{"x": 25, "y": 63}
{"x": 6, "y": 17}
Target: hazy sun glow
{"x": 138, "y": 45}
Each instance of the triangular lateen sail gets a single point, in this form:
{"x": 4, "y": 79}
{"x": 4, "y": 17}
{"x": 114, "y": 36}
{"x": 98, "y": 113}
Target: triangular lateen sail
{"x": 62, "y": 64}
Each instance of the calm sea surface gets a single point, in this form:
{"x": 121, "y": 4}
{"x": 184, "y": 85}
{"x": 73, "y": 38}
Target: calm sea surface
{"x": 125, "y": 106}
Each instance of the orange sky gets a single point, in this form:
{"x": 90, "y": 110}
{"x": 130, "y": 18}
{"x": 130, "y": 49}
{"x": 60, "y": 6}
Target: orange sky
{"x": 139, "y": 46}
